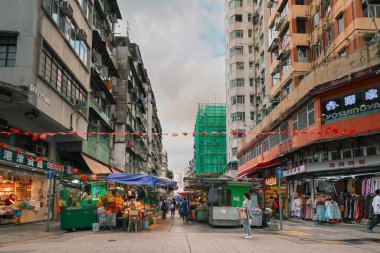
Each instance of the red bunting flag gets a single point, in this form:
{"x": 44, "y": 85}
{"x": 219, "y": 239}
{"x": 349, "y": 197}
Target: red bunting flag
{"x": 75, "y": 171}
{"x": 43, "y": 136}
{"x": 35, "y": 137}
{"x": 39, "y": 159}
{"x": 185, "y": 134}
{"x": 84, "y": 177}
{"x": 14, "y": 130}
{"x": 94, "y": 177}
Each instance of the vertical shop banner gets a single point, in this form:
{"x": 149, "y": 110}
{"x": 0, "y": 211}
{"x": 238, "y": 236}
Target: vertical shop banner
{"x": 19, "y": 158}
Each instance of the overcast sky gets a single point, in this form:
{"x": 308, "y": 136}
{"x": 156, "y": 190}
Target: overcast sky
{"x": 182, "y": 45}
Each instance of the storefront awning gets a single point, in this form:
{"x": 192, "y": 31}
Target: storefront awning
{"x": 140, "y": 180}
{"x": 258, "y": 166}
{"x": 95, "y": 166}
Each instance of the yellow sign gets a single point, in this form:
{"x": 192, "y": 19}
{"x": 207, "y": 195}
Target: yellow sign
{"x": 270, "y": 181}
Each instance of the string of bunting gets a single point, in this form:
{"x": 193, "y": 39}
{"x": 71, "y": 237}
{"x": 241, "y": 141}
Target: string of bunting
{"x": 44, "y": 135}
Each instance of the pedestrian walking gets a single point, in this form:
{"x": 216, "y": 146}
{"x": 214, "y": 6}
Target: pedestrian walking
{"x": 376, "y": 212}
{"x": 247, "y": 214}
{"x": 184, "y": 209}
{"x": 164, "y": 208}
{"x": 172, "y": 208}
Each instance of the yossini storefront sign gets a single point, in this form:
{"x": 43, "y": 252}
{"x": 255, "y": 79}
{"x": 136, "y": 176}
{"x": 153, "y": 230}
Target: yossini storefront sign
{"x": 356, "y": 104}
{"x": 11, "y": 156}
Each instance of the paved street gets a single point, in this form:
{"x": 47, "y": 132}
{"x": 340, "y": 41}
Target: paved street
{"x": 174, "y": 236}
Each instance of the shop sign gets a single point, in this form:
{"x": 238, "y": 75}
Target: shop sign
{"x": 294, "y": 171}
{"x": 270, "y": 181}
{"x": 11, "y": 156}
{"x": 360, "y": 103}
{"x": 350, "y": 163}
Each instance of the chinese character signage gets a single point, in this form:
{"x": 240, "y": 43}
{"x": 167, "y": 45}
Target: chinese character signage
{"x": 25, "y": 160}
{"x": 352, "y": 105}
{"x": 270, "y": 181}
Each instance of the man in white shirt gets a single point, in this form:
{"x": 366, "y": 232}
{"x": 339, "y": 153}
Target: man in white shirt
{"x": 376, "y": 211}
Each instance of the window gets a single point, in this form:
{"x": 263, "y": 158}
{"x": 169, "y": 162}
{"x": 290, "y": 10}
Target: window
{"x": 329, "y": 36}
{"x": 236, "y": 34}
{"x": 301, "y": 26}
{"x": 304, "y": 118}
{"x": 302, "y": 54}
{"x": 68, "y": 28}
{"x": 346, "y": 153}
{"x": 235, "y": 3}
{"x": 371, "y": 151}
{"x": 284, "y": 10}
{"x": 250, "y": 49}
{"x": 287, "y": 63}
{"x": 287, "y": 89}
{"x": 274, "y": 139}
{"x": 239, "y": 82}
{"x": 59, "y": 78}
{"x": 251, "y": 82}
{"x": 300, "y": 2}
{"x": 238, "y": 100}
{"x": 252, "y": 99}
{"x": 239, "y": 65}
{"x": 317, "y": 49}
{"x": 236, "y": 51}
{"x": 326, "y": 6}
{"x": 239, "y": 134}
{"x": 340, "y": 19}
{"x": 251, "y": 65}
{"x": 285, "y": 38}
{"x": 250, "y": 33}
{"x": 250, "y": 19}
{"x": 238, "y": 116}
{"x": 284, "y": 135}
{"x": 236, "y": 18}
{"x": 266, "y": 144}
{"x": 372, "y": 11}
{"x": 275, "y": 77}
{"x": 234, "y": 151}
{"x": 252, "y": 115}
{"x": 8, "y": 45}
{"x": 316, "y": 19}
{"x": 274, "y": 55}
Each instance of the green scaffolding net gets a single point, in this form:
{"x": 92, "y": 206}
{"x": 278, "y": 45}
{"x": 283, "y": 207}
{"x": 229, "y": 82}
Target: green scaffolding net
{"x": 210, "y": 149}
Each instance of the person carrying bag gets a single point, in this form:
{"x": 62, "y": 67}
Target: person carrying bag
{"x": 245, "y": 215}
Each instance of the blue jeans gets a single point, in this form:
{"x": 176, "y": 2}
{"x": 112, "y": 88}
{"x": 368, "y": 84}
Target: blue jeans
{"x": 247, "y": 227}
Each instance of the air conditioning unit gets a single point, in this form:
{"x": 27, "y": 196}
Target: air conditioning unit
{"x": 66, "y": 9}
{"x": 270, "y": 4}
{"x": 108, "y": 36}
{"x": 41, "y": 150}
{"x": 96, "y": 58}
{"x": 276, "y": 100}
{"x": 112, "y": 17}
{"x": 104, "y": 71}
{"x": 80, "y": 104}
{"x": 80, "y": 34}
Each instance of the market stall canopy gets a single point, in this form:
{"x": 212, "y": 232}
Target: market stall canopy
{"x": 95, "y": 166}
{"x": 140, "y": 179}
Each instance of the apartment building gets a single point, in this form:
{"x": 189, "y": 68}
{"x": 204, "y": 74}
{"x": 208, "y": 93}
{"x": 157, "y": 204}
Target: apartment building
{"x": 136, "y": 113}
{"x": 246, "y": 69}
{"x": 325, "y": 68}
{"x": 45, "y": 64}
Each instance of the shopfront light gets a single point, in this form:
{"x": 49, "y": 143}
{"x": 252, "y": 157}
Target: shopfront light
{"x": 75, "y": 181}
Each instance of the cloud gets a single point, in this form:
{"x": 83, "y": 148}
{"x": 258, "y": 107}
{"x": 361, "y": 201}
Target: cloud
{"x": 182, "y": 45}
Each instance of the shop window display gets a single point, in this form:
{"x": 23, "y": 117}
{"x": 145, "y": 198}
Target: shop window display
{"x": 29, "y": 201}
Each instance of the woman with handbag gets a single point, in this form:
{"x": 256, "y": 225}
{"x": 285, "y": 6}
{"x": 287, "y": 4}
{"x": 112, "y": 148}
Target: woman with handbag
{"x": 246, "y": 214}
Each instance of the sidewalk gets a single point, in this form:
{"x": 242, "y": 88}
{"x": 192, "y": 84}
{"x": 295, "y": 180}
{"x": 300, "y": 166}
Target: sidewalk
{"x": 329, "y": 232}
{"x": 28, "y": 232}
